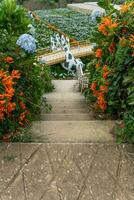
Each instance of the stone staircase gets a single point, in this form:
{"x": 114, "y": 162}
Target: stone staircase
{"x": 71, "y": 119}
{"x": 68, "y": 111}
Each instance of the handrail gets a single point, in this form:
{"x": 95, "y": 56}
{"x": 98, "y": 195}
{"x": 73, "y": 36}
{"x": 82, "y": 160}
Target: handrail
{"x": 55, "y": 57}
{"x": 49, "y": 51}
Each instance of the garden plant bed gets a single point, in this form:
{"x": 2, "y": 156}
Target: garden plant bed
{"x": 74, "y": 24}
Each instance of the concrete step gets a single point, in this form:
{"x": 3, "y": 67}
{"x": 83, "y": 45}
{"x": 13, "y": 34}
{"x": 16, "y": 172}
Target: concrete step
{"x": 69, "y": 105}
{"x": 69, "y": 111}
{"x": 66, "y": 117}
{"x": 64, "y": 96}
{"x": 73, "y": 131}
{"x": 64, "y": 101}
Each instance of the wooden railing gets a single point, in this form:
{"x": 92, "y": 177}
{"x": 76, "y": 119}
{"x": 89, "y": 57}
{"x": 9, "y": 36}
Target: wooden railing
{"x": 55, "y": 57}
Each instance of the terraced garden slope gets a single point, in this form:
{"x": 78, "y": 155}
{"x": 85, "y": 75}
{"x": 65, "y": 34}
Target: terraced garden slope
{"x": 76, "y": 25}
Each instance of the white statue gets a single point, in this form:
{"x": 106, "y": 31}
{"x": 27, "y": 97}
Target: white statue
{"x": 71, "y": 64}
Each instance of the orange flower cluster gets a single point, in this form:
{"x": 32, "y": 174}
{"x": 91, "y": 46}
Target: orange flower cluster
{"x": 104, "y": 88}
{"x": 98, "y": 53}
{"x": 7, "y": 82}
{"x": 111, "y": 48}
{"x": 15, "y": 74}
{"x": 9, "y": 60}
{"x": 125, "y": 7}
{"x": 105, "y": 68}
{"x": 97, "y": 65}
{"x": 100, "y": 95}
{"x": 23, "y": 118}
{"x": 93, "y": 88}
{"x": 106, "y": 25}
{"x": 105, "y": 72}
{"x": 101, "y": 101}
{"x": 22, "y": 105}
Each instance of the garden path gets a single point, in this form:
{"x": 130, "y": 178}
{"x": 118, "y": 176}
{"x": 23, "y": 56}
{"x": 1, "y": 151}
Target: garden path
{"x": 86, "y": 7}
{"x": 66, "y": 172}
{"x": 71, "y": 118}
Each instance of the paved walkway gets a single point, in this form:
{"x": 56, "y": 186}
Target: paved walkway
{"x": 71, "y": 118}
{"x": 86, "y": 7}
{"x": 66, "y": 172}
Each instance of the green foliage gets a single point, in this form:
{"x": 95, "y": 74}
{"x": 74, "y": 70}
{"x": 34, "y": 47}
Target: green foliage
{"x": 76, "y": 25}
{"x": 20, "y": 96}
{"x": 125, "y": 130}
{"x": 104, "y": 4}
{"x": 34, "y": 83}
{"x": 43, "y": 35}
{"x": 13, "y": 17}
{"x": 59, "y": 73}
{"x": 24, "y": 136}
{"x": 116, "y": 42}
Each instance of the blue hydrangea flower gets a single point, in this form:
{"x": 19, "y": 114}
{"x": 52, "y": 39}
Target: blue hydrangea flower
{"x": 27, "y": 42}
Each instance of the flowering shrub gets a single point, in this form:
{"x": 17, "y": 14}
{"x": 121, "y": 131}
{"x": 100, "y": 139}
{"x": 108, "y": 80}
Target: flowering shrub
{"x": 22, "y": 83}
{"x": 22, "y": 80}
{"x": 7, "y": 92}
{"x": 13, "y": 111}
{"x": 112, "y": 68}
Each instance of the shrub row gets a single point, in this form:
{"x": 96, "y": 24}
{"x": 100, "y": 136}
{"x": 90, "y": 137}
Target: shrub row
{"x": 22, "y": 79}
{"x": 112, "y": 68}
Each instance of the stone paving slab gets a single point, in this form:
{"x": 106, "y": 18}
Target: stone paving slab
{"x": 16, "y": 190}
{"x": 66, "y": 171}
{"x": 9, "y": 164}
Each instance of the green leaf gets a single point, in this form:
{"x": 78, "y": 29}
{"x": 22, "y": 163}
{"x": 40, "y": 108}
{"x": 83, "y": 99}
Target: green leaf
{"x": 104, "y": 3}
